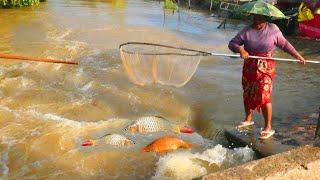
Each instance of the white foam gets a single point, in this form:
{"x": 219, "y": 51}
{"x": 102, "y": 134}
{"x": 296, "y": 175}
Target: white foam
{"x": 54, "y": 34}
{"x": 4, "y": 169}
{"x": 87, "y": 86}
{"x": 220, "y": 155}
{"x": 183, "y": 164}
{"x": 24, "y": 82}
{"x": 62, "y": 120}
{"x": 4, "y": 155}
{"x": 14, "y": 112}
{"x": 216, "y": 155}
{"x": 314, "y": 115}
{"x": 36, "y": 164}
{"x": 178, "y": 165}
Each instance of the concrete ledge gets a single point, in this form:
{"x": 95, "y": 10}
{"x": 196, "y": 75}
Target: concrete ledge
{"x": 263, "y": 148}
{"x": 317, "y": 134}
{"x": 299, "y": 163}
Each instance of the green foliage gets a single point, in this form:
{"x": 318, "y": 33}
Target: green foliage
{"x": 18, "y": 3}
{"x": 169, "y": 4}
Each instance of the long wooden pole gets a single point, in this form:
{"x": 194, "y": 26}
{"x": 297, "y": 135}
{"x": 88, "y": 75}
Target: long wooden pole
{"x": 9, "y": 56}
{"x": 262, "y": 57}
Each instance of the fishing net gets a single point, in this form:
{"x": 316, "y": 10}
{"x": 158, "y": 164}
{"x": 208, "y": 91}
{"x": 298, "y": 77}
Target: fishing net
{"x": 147, "y": 63}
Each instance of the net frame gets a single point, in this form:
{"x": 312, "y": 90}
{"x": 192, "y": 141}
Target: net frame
{"x": 191, "y": 56}
{"x": 197, "y": 52}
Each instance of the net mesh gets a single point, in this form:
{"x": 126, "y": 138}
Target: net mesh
{"x": 147, "y": 63}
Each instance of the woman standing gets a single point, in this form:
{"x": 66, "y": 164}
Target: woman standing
{"x": 259, "y": 39}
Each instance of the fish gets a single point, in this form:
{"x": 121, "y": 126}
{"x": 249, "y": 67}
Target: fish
{"x": 117, "y": 140}
{"x": 165, "y": 144}
{"x": 111, "y": 139}
{"x": 150, "y": 124}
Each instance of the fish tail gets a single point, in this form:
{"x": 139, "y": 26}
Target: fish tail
{"x": 144, "y": 150}
{"x": 188, "y": 145}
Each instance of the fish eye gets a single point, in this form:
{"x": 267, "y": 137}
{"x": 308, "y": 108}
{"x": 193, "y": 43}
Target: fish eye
{"x": 126, "y": 129}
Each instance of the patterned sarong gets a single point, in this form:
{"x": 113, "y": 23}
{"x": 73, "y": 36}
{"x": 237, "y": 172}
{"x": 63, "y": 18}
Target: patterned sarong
{"x": 257, "y": 79}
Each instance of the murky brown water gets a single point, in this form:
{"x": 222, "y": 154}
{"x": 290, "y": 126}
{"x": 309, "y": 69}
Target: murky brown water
{"x": 46, "y": 109}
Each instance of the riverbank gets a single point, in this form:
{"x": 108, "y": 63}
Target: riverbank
{"x": 287, "y": 26}
{"x": 19, "y": 3}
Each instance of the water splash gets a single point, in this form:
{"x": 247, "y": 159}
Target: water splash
{"x": 178, "y": 165}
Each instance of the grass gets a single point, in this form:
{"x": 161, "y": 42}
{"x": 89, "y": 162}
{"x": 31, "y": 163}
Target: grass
{"x": 19, "y": 3}
{"x": 170, "y": 4}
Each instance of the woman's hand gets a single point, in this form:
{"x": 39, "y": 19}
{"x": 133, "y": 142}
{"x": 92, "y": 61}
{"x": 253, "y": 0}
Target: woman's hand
{"x": 301, "y": 59}
{"x": 243, "y": 53}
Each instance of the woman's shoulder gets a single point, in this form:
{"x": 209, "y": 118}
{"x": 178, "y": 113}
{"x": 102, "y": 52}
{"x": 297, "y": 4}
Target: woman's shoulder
{"x": 273, "y": 27}
{"x": 245, "y": 29}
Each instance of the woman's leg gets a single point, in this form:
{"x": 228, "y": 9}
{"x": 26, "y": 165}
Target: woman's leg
{"x": 249, "y": 114}
{"x": 267, "y": 114}
{"x": 248, "y": 119}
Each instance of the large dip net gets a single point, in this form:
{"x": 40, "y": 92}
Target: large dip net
{"x": 147, "y": 63}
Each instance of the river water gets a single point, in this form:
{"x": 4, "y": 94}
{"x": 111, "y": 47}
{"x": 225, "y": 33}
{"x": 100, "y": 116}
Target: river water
{"x": 47, "y": 110}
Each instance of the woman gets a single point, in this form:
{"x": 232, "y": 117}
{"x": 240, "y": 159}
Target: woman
{"x": 259, "y": 39}
{"x": 312, "y": 27}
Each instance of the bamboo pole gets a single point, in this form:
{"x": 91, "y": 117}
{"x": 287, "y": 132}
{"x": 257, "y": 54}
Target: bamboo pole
{"x": 8, "y": 56}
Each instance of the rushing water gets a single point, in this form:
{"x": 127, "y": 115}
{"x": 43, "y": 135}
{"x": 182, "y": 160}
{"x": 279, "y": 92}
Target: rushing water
{"x": 47, "y": 110}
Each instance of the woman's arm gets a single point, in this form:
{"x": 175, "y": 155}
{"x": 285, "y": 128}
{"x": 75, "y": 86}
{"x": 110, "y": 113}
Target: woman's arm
{"x": 236, "y": 42}
{"x": 285, "y": 45}
{"x": 309, "y": 4}
{"x": 235, "y": 45}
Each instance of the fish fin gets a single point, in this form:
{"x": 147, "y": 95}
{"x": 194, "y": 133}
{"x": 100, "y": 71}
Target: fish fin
{"x": 176, "y": 129}
{"x": 158, "y": 116}
{"x": 128, "y": 143}
{"x": 88, "y": 142}
{"x": 102, "y": 136}
{"x": 163, "y": 152}
{"x": 144, "y": 150}
{"x": 187, "y": 129}
{"x": 187, "y": 145}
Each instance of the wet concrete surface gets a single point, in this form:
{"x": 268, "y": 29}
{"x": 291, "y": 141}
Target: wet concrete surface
{"x": 299, "y": 134}
{"x": 299, "y": 163}
{"x": 317, "y": 134}
{"x": 250, "y": 138}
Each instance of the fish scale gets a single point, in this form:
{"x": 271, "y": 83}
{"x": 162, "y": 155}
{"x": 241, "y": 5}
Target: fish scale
{"x": 152, "y": 124}
{"x": 149, "y": 126}
{"x": 117, "y": 140}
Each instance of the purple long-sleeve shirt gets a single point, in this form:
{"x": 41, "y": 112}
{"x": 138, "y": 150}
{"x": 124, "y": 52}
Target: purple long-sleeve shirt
{"x": 312, "y": 4}
{"x": 261, "y": 41}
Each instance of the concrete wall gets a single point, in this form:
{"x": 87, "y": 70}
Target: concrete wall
{"x": 299, "y": 163}
{"x": 317, "y": 139}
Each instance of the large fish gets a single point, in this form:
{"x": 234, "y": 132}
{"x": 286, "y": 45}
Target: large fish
{"x": 111, "y": 139}
{"x": 149, "y": 124}
{"x": 165, "y": 144}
